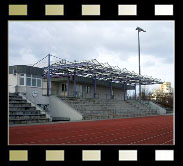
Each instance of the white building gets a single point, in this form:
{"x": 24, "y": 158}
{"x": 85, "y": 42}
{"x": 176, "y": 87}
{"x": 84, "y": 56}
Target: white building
{"x": 165, "y": 87}
{"x": 22, "y": 76}
{"x": 29, "y": 80}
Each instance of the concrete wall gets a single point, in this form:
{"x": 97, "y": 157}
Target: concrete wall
{"x": 159, "y": 109}
{"x": 54, "y": 88}
{"x": 119, "y": 93}
{"x": 35, "y": 95}
{"x": 37, "y": 107}
{"x": 12, "y": 82}
{"x": 101, "y": 91}
{"x": 20, "y": 89}
{"x": 58, "y": 108}
{"x": 44, "y": 87}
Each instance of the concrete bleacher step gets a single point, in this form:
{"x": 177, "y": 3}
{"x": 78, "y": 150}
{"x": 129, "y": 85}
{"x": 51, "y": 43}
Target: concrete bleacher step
{"x": 21, "y": 112}
{"x": 13, "y": 94}
{"x": 92, "y": 109}
{"x": 15, "y": 108}
{"x": 28, "y": 121}
{"x": 24, "y": 112}
{"x": 17, "y": 101}
{"x": 19, "y": 104}
{"x": 15, "y": 98}
{"x": 26, "y": 116}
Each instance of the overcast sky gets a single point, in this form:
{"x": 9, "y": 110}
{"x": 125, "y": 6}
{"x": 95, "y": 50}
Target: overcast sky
{"x": 114, "y": 42}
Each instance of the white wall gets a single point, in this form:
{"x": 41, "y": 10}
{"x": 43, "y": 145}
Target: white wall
{"x": 26, "y": 90}
{"x": 12, "y": 82}
{"x": 38, "y": 98}
{"x": 58, "y": 108}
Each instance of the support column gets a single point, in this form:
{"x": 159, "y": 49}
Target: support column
{"x": 74, "y": 84}
{"x": 139, "y": 65}
{"x": 95, "y": 83}
{"x": 124, "y": 90}
{"x": 111, "y": 89}
{"x": 139, "y": 90}
{"x": 48, "y": 76}
{"x": 68, "y": 85}
{"x": 135, "y": 92}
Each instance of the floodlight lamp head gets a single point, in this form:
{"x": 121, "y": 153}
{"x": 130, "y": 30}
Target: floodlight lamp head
{"x": 140, "y": 29}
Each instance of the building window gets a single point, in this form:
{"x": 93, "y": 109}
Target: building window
{"x": 87, "y": 89}
{"x": 28, "y": 81}
{"x": 39, "y": 83}
{"x": 64, "y": 87}
{"x": 34, "y": 82}
{"x": 22, "y": 79}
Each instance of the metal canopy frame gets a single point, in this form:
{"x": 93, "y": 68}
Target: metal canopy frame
{"x": 99, "y": 71}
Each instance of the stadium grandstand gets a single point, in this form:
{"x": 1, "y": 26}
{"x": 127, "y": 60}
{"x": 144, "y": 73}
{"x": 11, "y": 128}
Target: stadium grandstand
{"x": 49, "y": 95}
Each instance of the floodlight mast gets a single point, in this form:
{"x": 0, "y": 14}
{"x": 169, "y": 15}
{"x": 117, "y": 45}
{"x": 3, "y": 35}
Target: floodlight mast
{"x": 139, "y": 30}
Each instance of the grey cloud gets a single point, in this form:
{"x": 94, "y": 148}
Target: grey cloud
{"x": 78, "y": 40}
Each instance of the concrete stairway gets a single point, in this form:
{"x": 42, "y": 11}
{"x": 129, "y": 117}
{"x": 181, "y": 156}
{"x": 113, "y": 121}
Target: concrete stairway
{"x": 107, "y": 108}
{"x": 142, "y": 106}
{"x": 21, "y": 112}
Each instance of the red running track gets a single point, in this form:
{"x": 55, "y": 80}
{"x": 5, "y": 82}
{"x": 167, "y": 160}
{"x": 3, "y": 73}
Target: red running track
{"x": 141, "y": 130}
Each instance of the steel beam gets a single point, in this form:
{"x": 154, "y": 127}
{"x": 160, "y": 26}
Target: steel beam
{"x": 48, "y": 76}
{"x": 95, "y": 85}
{"x": 111, "y": 89}
{"x": 74, "y": 84}
{"x": 124, "y": 86}
{"x": 135, "y": 92}
{"x": 68, "y": 85}
{"x": 102, "y": 71}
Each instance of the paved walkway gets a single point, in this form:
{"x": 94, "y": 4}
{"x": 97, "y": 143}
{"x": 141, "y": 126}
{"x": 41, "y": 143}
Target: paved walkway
{"x": 142, "y": 130}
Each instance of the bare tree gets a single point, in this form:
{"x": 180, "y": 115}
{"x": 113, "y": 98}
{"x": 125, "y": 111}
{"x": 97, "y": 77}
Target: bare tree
{"x": 166, "y": 100}
{"x": 145, "y": 93}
